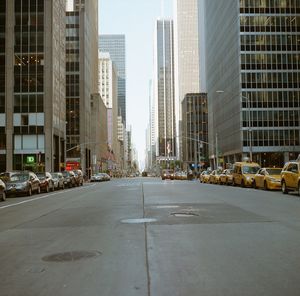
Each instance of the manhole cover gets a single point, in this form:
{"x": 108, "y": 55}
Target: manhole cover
{"x": 167, "y": 207}
{"x": 71, "y": 256}
{"x": 138, "y": 221}
{"x": 184, "y": 215}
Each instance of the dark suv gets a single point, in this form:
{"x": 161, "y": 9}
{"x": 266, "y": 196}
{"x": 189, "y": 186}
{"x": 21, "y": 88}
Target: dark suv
{"x": 69, "y": 179}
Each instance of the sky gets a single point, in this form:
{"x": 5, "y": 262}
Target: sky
{"x": 136, "y": 19}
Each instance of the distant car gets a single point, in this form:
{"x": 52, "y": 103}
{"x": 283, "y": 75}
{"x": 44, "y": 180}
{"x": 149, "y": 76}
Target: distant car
{"x": 214, "y": 177}
{"x": 268, "y": 178}
{"x": 106, "y": 177}
{"x": 290, "y": 177}
{"x": 244, "y": 172}
{"x": 226, "y": 177}
{"x": 202, "y": 176}
{"x": 23, "y": 183}
{"x": 46, "y": 180}
{"x": 167, "y": 174}
{"x": 69, "y": 179}
{"x": 2, "y": 191}
{"x": 58, "y": 180}
{"x": 98, "y": 177}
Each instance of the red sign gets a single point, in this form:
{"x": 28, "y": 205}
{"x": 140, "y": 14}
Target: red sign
{"x": 72, "y": 165}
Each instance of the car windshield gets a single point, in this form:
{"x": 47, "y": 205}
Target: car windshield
{"x": 274, "y": 171}
{"x": 41, "y": 175}
{"x": 54, "y": 175}
{"x": 250, "y": 169}
{"x": 19, "y": 177}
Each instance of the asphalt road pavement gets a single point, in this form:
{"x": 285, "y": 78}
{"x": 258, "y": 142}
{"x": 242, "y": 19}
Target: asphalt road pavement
{"x": 147, "y": 237}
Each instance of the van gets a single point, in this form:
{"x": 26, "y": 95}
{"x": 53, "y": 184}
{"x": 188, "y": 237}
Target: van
{"x": 243, "y": 173}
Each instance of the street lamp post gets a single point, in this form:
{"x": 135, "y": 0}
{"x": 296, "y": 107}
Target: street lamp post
{"x": 249, "y": 121}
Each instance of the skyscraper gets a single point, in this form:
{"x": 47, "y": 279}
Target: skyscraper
{"x": 115, "y": 46}
{"x": 82, "y": 81}
{"x": 164, "y": 89}
{"x": 32, "y": 86}
{"x": 253, "y": 79}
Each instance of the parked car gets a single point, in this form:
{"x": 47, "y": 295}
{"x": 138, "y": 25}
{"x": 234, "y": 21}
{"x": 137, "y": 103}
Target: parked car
{"x": 2, "y": 191}
{"x": 78, "y": 177}
{"x": 226, "y": 177}
{"x": 202, "y": 176}
{"x": 69, "y": 179}
{"x": 106, "y": 177}
{"x": 268, "y": 178}
{"x": 58, "y": 180}
{"x": 244, "y": 172}
{"x": 214, "y": 177}
{"x": 46, "y": 180}
{"x": 98, "y": 177}
{"x": 167, "y": 174}
{"x": 290, "y": 177}
{"x": 23, "y": 183}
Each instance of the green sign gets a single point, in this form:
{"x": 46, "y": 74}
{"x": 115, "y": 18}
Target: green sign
{"x": 30, "y": 159}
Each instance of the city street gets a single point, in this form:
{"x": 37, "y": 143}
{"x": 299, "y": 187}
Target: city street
{"x": 200, "y": 239}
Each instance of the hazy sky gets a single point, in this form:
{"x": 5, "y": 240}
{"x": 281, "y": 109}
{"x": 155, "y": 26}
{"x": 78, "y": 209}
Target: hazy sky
{"x": 135, "y": 19}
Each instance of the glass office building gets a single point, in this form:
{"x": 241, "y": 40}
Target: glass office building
{"x": 164, "y": 89}
{"x": 253, "y": 79}
{"x": 81, "y": 82}
{"x": 195, "y": 130}
{"x": 115, "y": 46}
{"x": 32, "y": 90}
{"x": 2, "y": 86}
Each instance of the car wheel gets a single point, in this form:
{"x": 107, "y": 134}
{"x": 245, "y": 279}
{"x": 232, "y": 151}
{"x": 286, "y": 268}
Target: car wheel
{"x": 243, "y": 184}
{"x": 266, "y": 186}
{"x": 3, "y": 197}
{"x": 233, "y": 182}
{"x": 283, "y": 188}
{"x": 29, "y": 193}
{"x": 254, "y": 185}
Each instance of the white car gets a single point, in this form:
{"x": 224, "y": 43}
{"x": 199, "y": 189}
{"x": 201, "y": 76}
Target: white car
{"x": 2, "y": 191}
{"x": 97, "y": 177}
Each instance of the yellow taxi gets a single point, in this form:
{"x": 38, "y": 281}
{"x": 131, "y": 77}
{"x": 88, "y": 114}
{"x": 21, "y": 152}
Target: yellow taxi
{"x": 214, "y": 177}
{"x": 268, "y": 178}
{"x": 244, "y": 172}
{"x": 290, "y": 177}
{"x": 226, "y": 177}
{"x": 204, "y": 177}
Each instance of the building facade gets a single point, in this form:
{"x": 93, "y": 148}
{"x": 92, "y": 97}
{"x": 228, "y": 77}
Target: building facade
{"x": 253, "y": 79}
{"x": 108, "y": 88}
{"x": 82, "y": 82}
{"x": 164, "y": 81}
{"x": 116, "y": 47}
{"x": 195, "y": 131}
{"x": 32, "y": 91}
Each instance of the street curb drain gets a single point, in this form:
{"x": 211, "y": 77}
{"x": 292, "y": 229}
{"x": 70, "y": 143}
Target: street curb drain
{"x": 71, "y": 256}
{"x": 138, "y": 221}
{"x": 184, "y": 215}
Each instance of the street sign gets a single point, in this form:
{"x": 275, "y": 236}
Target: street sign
{"x": 30, "y": 159}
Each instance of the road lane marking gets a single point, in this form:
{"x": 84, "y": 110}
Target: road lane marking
{"x": 42, "y": 197}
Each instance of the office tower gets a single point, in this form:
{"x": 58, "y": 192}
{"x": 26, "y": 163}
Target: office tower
{"x": 195, "y": 130}
{"x": 187, "y": 48}
{"x": 82, "y": 81}
{"x": 253, "y": 80}
{"x": 32, "y": 85}
{"x": 99, "y": 132}
{"x": 115, "y": 46}
{"x": 108, "y": 82}
{"x": 164, "y": 90}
